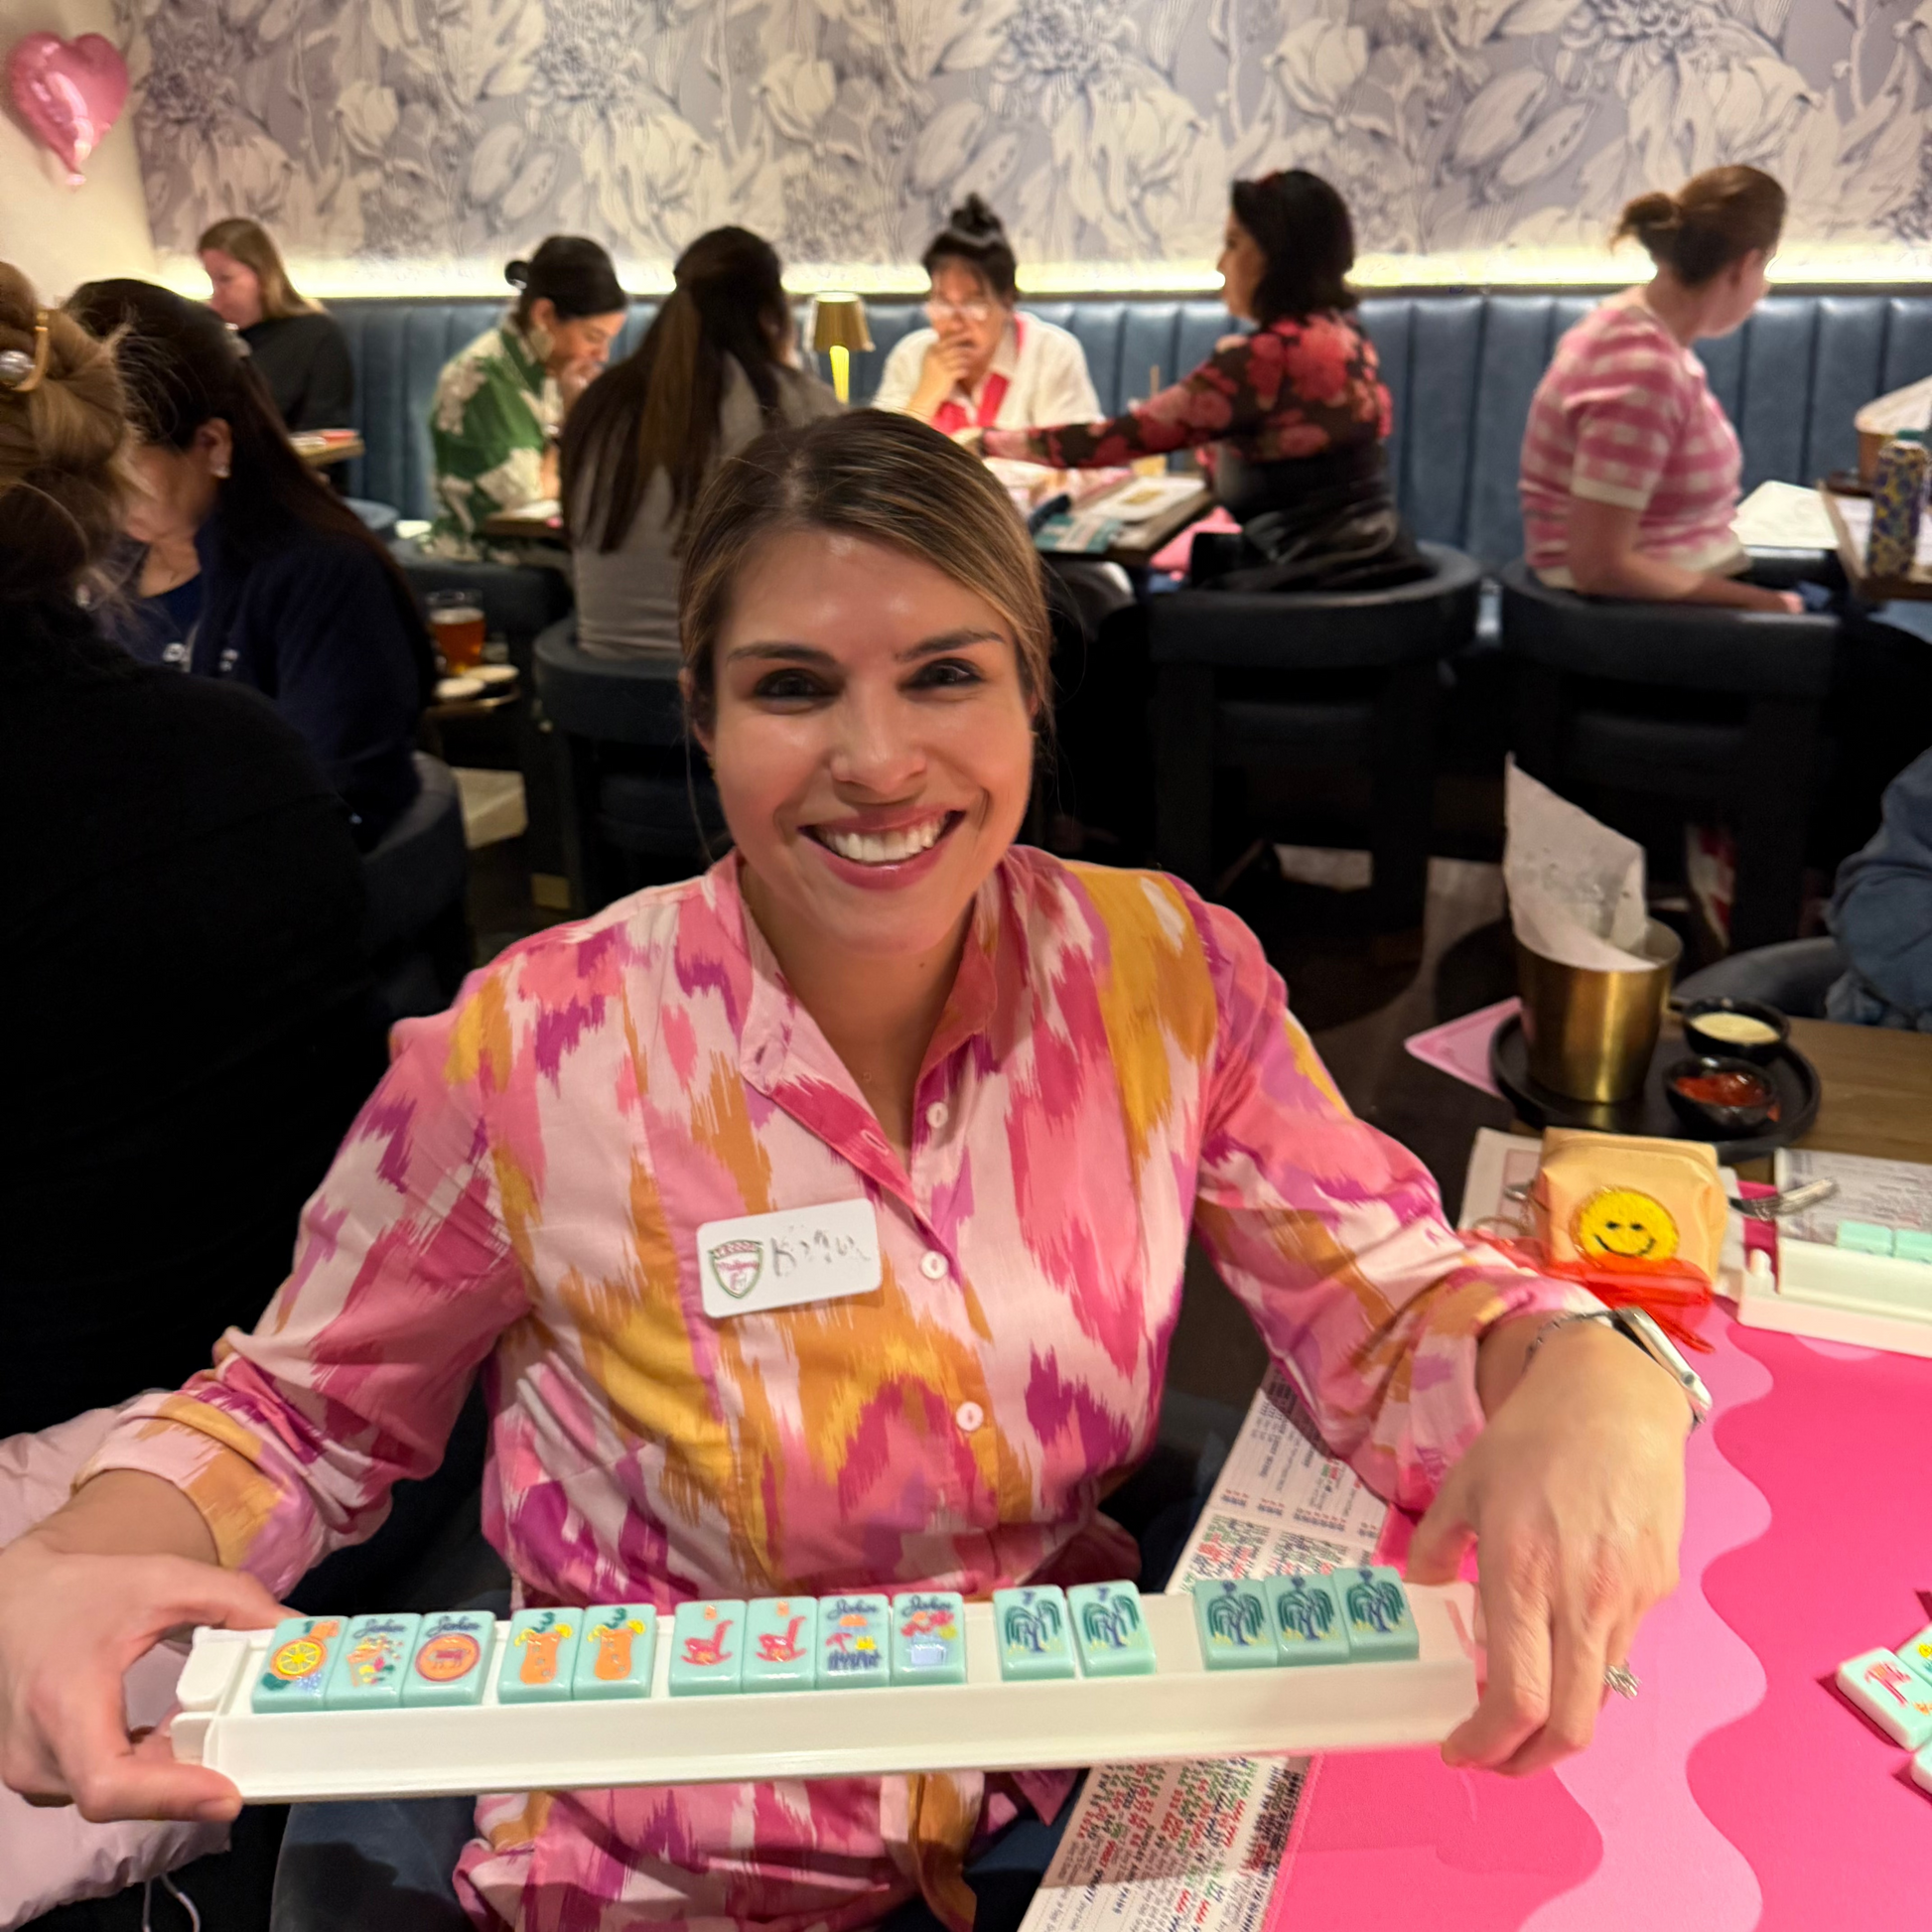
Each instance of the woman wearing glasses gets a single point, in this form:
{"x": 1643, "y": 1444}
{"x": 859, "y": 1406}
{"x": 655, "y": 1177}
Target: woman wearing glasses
{"x": 982, "y": 362}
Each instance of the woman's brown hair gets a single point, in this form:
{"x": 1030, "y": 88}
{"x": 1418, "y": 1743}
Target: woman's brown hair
{"x": 1716, "y": 219}
{"x": 255, "y": 247}
{"x": 63, "y": 438}
{"x": 884, "y": 477}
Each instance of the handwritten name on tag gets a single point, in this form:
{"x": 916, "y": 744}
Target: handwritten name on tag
{"x": 761, "y": 1262}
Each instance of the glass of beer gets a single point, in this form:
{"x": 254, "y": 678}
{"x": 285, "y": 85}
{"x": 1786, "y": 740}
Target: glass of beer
{"x": 456, "y": 623}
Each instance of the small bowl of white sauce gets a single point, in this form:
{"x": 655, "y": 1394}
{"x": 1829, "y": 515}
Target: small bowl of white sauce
{"x": 1744, "y": 1029}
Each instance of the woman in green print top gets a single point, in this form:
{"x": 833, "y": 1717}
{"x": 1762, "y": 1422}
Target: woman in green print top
{"x": 501, "y": 401}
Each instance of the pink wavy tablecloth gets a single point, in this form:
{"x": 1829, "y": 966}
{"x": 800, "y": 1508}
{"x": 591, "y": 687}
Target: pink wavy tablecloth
{"x": 1737, "y": 1790}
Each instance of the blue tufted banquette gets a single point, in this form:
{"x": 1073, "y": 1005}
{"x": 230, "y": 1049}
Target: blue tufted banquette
{"x": 1461, "y": 368}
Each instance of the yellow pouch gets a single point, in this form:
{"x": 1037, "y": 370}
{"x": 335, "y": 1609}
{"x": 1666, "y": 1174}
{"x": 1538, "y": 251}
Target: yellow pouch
{"x": 1630, "y": 1209}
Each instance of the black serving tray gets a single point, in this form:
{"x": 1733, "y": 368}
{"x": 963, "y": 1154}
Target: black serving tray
{"x": 1649, "y": 1111}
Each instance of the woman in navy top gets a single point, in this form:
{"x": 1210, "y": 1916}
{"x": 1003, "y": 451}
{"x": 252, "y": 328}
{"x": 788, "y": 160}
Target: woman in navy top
{"x": 251, "y": 569}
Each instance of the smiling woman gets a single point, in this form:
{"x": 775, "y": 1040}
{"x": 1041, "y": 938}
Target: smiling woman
{"x": 1031, "y": 1080}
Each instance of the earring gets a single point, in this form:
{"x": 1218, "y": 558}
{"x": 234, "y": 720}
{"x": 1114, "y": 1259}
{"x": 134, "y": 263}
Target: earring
{"x": 221, "y": 473}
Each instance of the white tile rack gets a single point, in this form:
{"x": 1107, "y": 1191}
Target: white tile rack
{"x": 1182, "y": 1711}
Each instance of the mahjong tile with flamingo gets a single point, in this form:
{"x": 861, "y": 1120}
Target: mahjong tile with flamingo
{"x": 1892, "y": 1695}
{"x": 780, "y": 1643}
{"x": 708, "y": 1647}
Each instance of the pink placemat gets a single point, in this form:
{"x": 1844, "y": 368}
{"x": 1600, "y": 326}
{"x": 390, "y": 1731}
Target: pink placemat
{"x": 1736, "y": 1791}
{"x": 1175, "y": 554}
{"x": 1461, "y": 1047}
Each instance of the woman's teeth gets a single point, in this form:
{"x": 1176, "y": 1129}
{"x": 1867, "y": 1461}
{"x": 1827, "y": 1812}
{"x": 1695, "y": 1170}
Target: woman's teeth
{"x": 882, "y": 848}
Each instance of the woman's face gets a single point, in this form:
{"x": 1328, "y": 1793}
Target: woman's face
{"x": 872, "y": 744}
{"x": 581, "y": 344}
{"x": 963, "y": 310}
{"x": 1242, "y": 265}
{"x": 236, "y": 290}
{"x": 178, "y": 487}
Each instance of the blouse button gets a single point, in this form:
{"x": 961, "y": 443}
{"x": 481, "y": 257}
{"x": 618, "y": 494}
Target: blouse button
{"x": 933, "y": 1263}
{"x": 969, "y": 1416}
{"x": 936, "y": 1115}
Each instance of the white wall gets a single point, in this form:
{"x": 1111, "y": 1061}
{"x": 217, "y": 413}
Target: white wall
{"x": 64, "y": 236}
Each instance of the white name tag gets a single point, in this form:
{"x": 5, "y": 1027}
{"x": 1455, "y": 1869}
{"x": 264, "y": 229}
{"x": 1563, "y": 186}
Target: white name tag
{"x": 761, "y": 1262}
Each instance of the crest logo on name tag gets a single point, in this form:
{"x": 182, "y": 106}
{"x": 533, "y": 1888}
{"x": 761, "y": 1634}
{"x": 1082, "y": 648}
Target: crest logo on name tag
{"x": 736, "y": 1266}
{"x": 761, "y": 1262}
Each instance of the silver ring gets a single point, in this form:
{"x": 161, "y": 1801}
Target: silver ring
{"x": 1623, "y": 1680}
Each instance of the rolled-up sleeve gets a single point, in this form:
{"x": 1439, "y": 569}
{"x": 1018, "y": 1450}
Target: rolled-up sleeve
{"x": 1333, "y": 1236}
{"x": 404, "y": 1276}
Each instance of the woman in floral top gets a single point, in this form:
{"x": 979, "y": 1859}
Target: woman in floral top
{"x": 1278, "y": 413}
{"x": 501, "y": 401}
{"x": 1029, "y": 1080}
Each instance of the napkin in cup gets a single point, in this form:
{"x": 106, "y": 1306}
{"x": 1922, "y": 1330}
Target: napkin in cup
{"x": 1576, "y": 887}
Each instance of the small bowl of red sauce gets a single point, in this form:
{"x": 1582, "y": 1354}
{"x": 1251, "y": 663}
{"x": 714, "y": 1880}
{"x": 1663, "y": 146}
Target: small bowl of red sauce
{"x": 1716, "y": 1094}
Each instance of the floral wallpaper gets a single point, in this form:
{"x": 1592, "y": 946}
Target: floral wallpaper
{"x": 456, "y": 132}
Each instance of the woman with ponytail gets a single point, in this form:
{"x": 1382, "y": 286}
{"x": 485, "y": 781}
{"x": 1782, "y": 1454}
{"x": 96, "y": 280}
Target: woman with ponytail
{"x": 716, "y": 369}
{"x": 1630, "y": 467}
{"x": 183, "y": 934}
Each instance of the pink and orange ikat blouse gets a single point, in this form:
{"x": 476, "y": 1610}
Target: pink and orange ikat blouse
{"x": 1116, "y": 1064}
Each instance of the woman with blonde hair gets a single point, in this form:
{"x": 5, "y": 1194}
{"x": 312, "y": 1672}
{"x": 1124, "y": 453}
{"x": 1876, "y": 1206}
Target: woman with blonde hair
{"x": 1028, "y": 1080}
{"x": 298, "y": 348}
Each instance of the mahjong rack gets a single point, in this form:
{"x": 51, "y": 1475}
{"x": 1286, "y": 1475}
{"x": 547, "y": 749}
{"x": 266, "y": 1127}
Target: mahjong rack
{"x": 441, "y": 1704}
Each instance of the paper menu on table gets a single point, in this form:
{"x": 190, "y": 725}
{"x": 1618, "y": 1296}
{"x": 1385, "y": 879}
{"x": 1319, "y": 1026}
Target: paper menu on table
{"x": 1891, "y": 1194}
{"x": 1196, "y": 1846}
{"x": 1172, "y": 1848}
{"x": 1784, "y": 516}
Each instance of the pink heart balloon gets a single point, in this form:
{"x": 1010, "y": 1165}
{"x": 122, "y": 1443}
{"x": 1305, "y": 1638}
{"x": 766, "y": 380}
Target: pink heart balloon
{"x": 70, "y": 92}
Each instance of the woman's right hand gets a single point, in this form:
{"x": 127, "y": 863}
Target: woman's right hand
{"x": 71, "y": 1626}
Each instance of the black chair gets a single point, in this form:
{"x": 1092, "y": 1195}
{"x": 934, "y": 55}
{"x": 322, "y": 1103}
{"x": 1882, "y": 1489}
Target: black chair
{"x": 633, "y": 783}
{"x": 1794, "y": 977}
{"x": 1708, "y": 708}
{"x": 1321, "y": 681}
{"x": 417, "y": 930}
{"x": 517, "y": 600}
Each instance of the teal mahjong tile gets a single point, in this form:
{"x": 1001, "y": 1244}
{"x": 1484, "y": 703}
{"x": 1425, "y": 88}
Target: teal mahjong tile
{"x": 1864, "y": 1237}
{"x": 540, "y": 1656}
{"x": 1305, "y": 1615}
{"x": 781, "y": 1643}
{"x": 930, "y": 1637}
{"x": 708, "y": 1647}
{"x": 295, "y": 1667}
{"x": 372, "y": 1662}
{"x": 1034, "y": 1633}
{"x": 1381, "y": 1627}
{"x": 1918, "y": 1653}
{"x": 1232, "y": 1622}
{"x": 1912, "y": 1244}
{"x": 855, "y": 1645}
{"x": 1897, "y": 1700}
{"x": 616, "y": 1652}
{"x": 1110, "y": 1630}
{"x": 451, "y": 1661}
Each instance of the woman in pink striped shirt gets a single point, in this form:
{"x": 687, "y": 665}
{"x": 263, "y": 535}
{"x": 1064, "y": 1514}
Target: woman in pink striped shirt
{"x": 1033, "y": 1079}
{"x": 1630, "y": 469}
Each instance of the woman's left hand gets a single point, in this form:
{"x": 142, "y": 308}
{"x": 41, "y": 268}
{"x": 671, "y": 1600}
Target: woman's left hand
{"x": 1574, "y": 1496}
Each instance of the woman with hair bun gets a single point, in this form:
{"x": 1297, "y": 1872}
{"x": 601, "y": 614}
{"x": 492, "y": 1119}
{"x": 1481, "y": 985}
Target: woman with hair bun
{"x": 183, "y": 924}
{"x": 501, "y": 402}
{"x": 982, "y": 360}
{"x": 1630, "y": 467}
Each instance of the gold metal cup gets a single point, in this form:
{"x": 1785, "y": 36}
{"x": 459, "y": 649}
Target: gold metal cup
{"x": 1592, "y": 1035}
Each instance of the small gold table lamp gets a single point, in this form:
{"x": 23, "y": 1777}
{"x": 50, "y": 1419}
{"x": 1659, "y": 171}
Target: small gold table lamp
{"x": 839, "y": 327}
